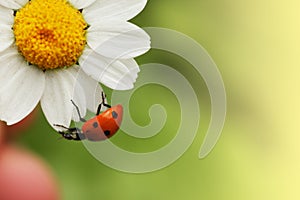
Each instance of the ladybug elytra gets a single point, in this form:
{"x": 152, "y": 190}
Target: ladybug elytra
{"x": 104, "y": 125}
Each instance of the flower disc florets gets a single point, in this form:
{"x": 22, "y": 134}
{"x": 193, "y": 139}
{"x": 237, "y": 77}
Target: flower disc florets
{"x": 50, "y": 33}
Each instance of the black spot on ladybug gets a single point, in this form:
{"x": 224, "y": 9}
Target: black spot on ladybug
{"x": 114, "y": 114}
{"x": 107, "y": 132}
{"x": 95, "y": 124}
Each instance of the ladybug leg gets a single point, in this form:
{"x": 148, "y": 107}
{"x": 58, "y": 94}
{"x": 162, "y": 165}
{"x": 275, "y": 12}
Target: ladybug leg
{"x": 77, "y": 109}
{"x": 98, "y": 109}
{"x": 106, "y": 105}
{"x": 102, "y": 103}
{"x": 71, "y": 133}
{"x": 61, "y": 126}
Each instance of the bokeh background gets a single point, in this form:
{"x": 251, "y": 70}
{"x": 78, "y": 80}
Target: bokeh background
{"x": 255, "y": 44}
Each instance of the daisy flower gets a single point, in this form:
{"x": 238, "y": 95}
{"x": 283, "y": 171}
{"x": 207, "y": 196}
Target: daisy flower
{"x": 49, "y": 47}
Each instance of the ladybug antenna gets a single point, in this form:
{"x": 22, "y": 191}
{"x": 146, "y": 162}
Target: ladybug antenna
{"x": 77, "y": 109}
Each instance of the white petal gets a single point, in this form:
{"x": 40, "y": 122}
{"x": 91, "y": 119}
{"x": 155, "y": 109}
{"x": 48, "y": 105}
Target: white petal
{"x": 78, "y": 94}
{"x": 118, "y": 40}
{"x": 7, "y": 16}
{"x": 6, "y": 37}
{"x": 116, "y": 74}
{"x": 92, "y": 90}
{"x": 21, "y": 94}
{"x": 56, "y": 100}
{"x": 133, "y": 67}
{"x": 79, "y": 4}
{"x": 11, "y": 62}
{"x": 113, "y": 10}
{"x": 13, "y": 4}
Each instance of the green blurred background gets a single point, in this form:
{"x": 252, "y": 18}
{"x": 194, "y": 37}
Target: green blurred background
{"x": 256, "y": 47}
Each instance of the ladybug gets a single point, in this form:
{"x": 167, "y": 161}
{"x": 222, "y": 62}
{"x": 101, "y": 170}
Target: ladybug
{"x": 104, "y": 125}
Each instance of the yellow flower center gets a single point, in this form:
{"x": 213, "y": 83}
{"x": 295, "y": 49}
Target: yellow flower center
{"x": 50, "y": 33}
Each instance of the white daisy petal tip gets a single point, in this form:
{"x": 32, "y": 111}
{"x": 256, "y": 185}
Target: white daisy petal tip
{"x": 19, "y": 92}
{"x": 126, "y": 83}
{"x": 117, "y": 74}
{"x": 119, "y": 40}
{"x": 12, "y": 120}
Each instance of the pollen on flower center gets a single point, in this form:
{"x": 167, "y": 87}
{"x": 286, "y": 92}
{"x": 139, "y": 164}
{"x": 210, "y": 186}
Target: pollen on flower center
{"x": 50, "y": 33}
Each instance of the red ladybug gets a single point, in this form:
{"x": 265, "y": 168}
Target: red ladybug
{"x": 104, "y": 125}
